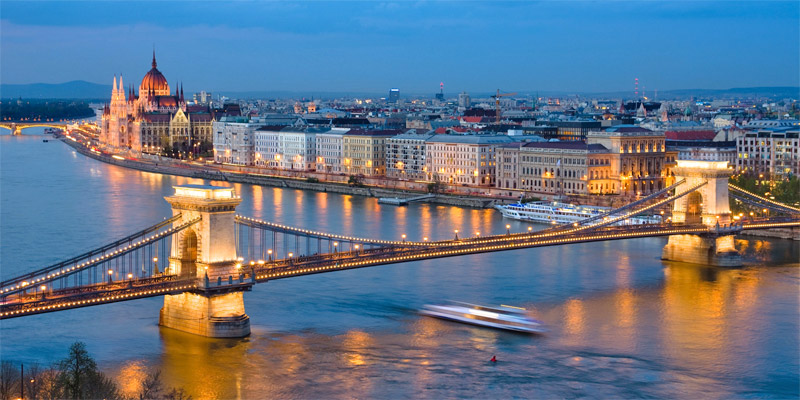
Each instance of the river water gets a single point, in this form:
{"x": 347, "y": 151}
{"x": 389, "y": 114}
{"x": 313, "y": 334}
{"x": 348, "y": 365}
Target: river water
{"x": 622, "y": 322}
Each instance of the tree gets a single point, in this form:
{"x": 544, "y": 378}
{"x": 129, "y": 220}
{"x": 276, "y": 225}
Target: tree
{"x": 354, "y": 180}
{"x": 79, "y": 378}
{"x": 9, "y": 375}
{"x": 436, "y": 186}
{"x": 151, "y": 386}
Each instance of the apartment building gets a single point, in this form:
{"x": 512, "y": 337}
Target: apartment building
{"x": 329, "y": 150}
{"x": 463, "y": 159}
{"x": 769, "y": 151}
{"x": 405, "y": 155}
{"x": 234, "y": 140}
{"x": 364, "y": 151}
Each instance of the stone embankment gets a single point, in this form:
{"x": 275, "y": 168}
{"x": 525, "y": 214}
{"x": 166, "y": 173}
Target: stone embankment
{"x": 200, "y": 172}
{"x": 782, "y": 233}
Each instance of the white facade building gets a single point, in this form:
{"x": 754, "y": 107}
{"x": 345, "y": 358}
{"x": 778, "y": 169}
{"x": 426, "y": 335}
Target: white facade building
{"x": 405, "y": 156}
{"x": 234, "y": 140}
{"x": 329, "y": 150}
{"x": 289, "y": 148}
{"x": 463, "y": 159}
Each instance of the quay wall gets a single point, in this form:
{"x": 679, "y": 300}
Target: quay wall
{"x": 177, "y": 169}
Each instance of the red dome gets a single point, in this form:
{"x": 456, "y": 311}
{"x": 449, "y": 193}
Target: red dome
{"x": 154, "y": 80}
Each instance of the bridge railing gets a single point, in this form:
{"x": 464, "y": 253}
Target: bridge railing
{"x": 129, "y": 240}
{"x": 127, "y": 260}
{"x": 760, "y": 200}
{"x": 617, "y": 211}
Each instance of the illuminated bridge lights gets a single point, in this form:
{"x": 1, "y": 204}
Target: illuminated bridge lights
{"x": 768, "y": 201}
{"x": 93, "y": 261}
{"x": 332, "y": 261}
{"x": 101, "y": 300}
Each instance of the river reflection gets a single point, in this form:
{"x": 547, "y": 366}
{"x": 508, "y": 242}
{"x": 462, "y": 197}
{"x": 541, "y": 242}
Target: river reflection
{"x": 622, "y": 322}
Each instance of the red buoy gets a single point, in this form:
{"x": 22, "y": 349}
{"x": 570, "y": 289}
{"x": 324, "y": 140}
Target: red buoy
{"x": 494, "y": 359}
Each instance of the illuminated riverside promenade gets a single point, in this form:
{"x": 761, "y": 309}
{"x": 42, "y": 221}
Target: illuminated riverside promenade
{"x": 617, "y": 314}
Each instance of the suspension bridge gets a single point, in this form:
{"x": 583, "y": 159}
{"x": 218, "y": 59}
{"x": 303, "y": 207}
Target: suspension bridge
{"x": 16, "y": 127}
{"x": 204, "y": 257}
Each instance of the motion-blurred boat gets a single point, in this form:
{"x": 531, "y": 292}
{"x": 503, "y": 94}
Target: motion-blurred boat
{"x": 503, "y": 317}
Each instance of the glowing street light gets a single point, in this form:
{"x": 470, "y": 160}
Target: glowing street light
{"x": 456, "y": 231}
{"x": 508, "y": 229}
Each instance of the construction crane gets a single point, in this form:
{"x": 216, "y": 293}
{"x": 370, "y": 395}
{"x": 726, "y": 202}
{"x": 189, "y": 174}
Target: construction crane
{"x": 497, "y": 103}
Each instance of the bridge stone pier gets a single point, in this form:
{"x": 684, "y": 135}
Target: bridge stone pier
{"x": 707, "y": 205}
{"x": 206, "y": 251}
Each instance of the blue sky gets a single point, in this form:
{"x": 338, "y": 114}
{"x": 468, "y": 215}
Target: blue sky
{"x": 326, "y": 46}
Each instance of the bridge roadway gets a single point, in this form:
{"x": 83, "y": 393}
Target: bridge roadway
{"x": 137, "y": 288}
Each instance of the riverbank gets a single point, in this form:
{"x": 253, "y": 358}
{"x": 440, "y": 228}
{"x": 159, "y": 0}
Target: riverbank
{"x": 203, "y": 172}
{"x": 372, "y": 187}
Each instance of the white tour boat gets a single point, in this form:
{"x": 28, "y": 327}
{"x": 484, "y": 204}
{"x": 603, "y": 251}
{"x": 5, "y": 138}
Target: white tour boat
{"x": 503, "y": 317}
{"x": 553, "y": 212}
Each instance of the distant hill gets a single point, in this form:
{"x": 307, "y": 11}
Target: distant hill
{"x": 67, "y": 90}
{"x": 89, "y": 90}
{"x": 775, "y": 92}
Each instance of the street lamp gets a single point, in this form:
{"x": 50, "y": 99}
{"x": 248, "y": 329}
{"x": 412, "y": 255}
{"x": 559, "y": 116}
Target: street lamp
{"x": 269, "y": 253}
{"x": 404, "y": 237}
{"x": 508, "y": 229}
{"x": 456, "y": 231}
{"x": 110, "y": 273}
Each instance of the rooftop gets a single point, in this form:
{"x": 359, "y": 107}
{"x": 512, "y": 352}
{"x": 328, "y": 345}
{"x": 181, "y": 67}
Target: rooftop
{"x": 471, "y": 139}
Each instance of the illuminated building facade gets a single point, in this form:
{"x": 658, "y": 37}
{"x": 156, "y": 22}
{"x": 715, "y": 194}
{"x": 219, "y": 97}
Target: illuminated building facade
{"x": 234, "y": 140}
{"x": 573, "y": 167}
{"x": 405, "y": 156}
{"x": 154, "y": 118}
{"x": 329, "y": 150}
{"x": 463, "y": 159}
{"x": 773, "y": 152}
{"x": 644, "y": 164}
{"x": 364, "y": 151}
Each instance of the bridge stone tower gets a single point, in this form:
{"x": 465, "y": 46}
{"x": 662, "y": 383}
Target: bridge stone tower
{"x": 206, "y": 251}
{"x": 707, "y": 205}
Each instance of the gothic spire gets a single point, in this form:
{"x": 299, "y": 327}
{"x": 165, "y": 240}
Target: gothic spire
{"x": 154, "y": 57}
{"x": 114, "y": 90}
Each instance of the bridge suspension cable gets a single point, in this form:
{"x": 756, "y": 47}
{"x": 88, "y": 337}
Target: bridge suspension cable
{"x": 741, "y": 193}
{"x": 255, "y": 223}
{"x": 100, "y": 250}
{"x": 623, "y": 208}
{"x": 111, "y": 259}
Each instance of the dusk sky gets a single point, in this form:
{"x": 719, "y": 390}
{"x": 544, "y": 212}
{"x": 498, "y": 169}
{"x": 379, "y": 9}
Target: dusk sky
{"x": 331, "y": 46}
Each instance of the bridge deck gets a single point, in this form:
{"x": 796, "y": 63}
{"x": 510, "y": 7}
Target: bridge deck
{"x": 27, "y": 304}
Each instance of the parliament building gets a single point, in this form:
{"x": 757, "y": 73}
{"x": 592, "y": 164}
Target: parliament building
{"x": 155, "y": 118}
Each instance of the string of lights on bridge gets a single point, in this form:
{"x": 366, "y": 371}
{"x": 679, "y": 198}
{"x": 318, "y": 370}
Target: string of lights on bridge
{"x": 92, "y": 262}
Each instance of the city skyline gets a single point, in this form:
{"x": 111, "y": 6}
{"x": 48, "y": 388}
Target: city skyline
{"x": 366, "y": 47}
